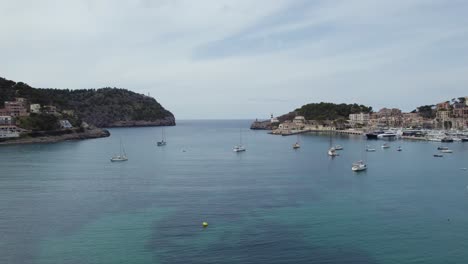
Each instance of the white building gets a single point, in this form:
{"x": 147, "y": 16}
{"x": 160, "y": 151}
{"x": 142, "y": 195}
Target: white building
{"x": 64, "y": 124}
{"x": 6, "y": 120}
{"x": 35, "y": 108}
{"x": 361, "y": 118}
{"x": 299, "y": 120}
{"x": 274, "y": 120}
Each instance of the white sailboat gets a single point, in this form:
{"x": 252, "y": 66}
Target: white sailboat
{"x": 296, "y": 145}
{"x": 332, "y": 151}
{"x": 122, "y": 155}
{"x": 360, "y": 165}
{"x": 163, "y": 138}
{"x": 240, "y": 147}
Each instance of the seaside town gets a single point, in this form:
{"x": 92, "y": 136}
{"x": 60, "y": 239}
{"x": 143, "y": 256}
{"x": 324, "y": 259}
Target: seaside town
{"x": 446, "y": 121}
{"x": 20, "y": 109}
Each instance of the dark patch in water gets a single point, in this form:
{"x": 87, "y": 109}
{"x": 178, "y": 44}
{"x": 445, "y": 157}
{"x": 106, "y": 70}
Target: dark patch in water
{"x": 261, "y": 242}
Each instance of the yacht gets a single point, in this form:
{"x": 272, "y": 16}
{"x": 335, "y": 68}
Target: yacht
{"x": 359, "y": 166}
{"x": 374, "y": 134}
{"x": 122, "y": 155}
{"x": 447, "y": 139}
{"x": 387, "y": 135}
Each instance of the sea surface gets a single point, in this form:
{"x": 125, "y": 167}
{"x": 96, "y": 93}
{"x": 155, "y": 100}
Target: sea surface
{"x": 67, "y": 203}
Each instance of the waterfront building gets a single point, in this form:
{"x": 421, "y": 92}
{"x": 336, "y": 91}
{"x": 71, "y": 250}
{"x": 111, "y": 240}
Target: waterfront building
{"x": 9, "y": 131}
{"x": 443, "y": 115}
{"x": 361, "y": 119}
{"x": 299, "y": 120}
{"x": 16, "y": 108}
{"x": 6, "y": 120}
{"x": 443, "y": 106}
{"x": 460, "y": 112}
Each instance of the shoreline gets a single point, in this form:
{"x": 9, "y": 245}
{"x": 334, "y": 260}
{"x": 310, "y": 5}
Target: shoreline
{"x": 66, "y": 136}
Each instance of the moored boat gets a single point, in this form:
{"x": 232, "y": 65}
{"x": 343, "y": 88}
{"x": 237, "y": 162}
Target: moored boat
{"x": 359, "y": 166}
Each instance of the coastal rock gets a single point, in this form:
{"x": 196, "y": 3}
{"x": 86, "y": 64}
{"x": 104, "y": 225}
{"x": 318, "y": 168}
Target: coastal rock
{"x": 261, "y": 125}
{"x": 58, "y": 136}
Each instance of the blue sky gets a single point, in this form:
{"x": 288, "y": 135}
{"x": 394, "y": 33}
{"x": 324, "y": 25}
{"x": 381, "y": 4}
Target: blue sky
{"x": 242, "y": 58}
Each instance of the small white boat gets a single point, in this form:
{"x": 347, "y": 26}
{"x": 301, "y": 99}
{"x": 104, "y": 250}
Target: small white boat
{"x": 238, "y": 149}
{"x": 296, "y": 145}
{"x": 122, "y": 155}
{"x": 359, "y": 166}
{"x": 338, "y": 147}
{"x": 399, "y": 149}
{"x": 385, "y": 145}
{"x": 369, "y": 149}
{"x": 332, "y": 152}
{"x": 446, "y": 151}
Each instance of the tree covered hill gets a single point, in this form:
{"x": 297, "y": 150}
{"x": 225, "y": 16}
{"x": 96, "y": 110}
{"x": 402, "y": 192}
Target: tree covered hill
{"x": 105, "y": 107}
{"x": 331, "y": 111}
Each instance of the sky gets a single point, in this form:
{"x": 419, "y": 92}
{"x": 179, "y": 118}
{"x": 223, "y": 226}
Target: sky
{"x": 238, "y": 59}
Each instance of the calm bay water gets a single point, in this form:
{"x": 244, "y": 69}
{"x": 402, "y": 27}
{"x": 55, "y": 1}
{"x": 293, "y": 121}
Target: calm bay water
{"x": 67, "y": 203}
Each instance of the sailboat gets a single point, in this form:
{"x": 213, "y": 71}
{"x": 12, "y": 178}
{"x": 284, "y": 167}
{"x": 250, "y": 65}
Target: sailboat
{"x": 240, "y": 147}
{"x": 360, "y": 165}
{"x": 332, "y": 151}
{"x": 296, "y": 145}
{"x": 122, "y": 155}
{"x": 163, "y": 138}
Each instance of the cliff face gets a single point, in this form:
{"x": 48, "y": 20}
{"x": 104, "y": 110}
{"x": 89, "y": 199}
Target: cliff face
{"x": 105, "y": 107}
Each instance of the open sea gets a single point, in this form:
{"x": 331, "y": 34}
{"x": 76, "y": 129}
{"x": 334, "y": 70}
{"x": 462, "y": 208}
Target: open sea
{"x": 67, "y": 203}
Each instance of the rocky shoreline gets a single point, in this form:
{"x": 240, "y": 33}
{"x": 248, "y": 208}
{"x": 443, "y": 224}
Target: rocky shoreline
{"x": 58, "y": 136}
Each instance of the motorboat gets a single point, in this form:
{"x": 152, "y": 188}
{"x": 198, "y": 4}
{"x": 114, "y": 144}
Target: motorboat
{"x": 399, "y": 149}
{"x": 447, "y": 139}
{"x": 359, "y": 166}
{"x": 296, "y": 145}
{"x": 385, "y": 146}
{"x": 438, "y": 155}
{"x": 442, "y": 148}
{"x": 338, "y": 147}
{"x": 374, "y": 134}
{"x": 446, "y": 151}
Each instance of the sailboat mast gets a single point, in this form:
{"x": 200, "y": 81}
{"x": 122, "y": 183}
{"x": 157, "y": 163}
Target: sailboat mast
{"x": 240, "y": 136}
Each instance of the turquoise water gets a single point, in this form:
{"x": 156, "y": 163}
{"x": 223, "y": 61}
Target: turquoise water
{"x": 67, "y": 203}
